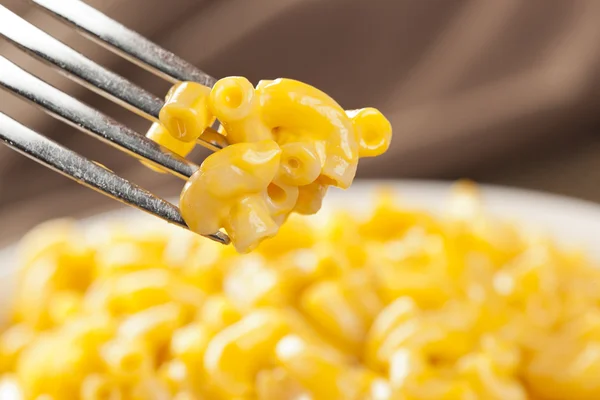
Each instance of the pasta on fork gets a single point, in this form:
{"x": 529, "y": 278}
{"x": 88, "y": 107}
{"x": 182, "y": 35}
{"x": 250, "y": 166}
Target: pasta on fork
{"x": 288, "y": 143}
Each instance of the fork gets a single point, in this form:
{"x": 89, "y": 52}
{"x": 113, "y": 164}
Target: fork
{"x": 101, "y": 29}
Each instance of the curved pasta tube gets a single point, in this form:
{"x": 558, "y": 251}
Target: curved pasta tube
{"x": 329, "y": 306}
{"x": 186, "y": 113}
{"x": 293, "y": 105}
{"x": 236, "y": 354}
{"x": 389, "y": 319}
{"x": 239, "y": 169}
{"x": 234, "y": 103}
{"x": 300, "y": 163}
{"x": 230, "y": 191}
{"x": 373, "y": 129}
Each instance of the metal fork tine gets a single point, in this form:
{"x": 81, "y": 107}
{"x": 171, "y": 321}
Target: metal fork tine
{"x": 72, "y": 111}
{"x": 46, "y": 48}
{"x": 124, "y": 41}
{"x": 86, "y": 172}
{"x": 83, "y": 70}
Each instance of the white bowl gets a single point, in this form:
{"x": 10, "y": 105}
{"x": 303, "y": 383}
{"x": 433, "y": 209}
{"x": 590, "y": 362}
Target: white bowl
{"x": 570, "y": 221}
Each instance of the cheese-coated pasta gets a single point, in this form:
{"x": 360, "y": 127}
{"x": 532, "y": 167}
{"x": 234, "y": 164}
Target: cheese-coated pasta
{"x": 234, "y": 102}
{"x": 186, "y": 112}
{"x": 319, "y": 145}
{"x": 230, "y": 190}
{"x": 373, "y": 129}
{"x": 457, "y": 306}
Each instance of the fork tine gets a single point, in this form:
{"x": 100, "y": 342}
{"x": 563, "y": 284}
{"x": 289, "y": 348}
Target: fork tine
{"x": 87, "y": 173}
{"x": 125, "y": 42}
{"x": 83, "y": 117}
{"x": 84, "y": 71}
{"x": 46, "y": 48}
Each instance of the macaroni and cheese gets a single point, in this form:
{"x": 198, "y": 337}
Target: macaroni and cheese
{"x": 399, "y": 304}
{"x": 288, "y": 142}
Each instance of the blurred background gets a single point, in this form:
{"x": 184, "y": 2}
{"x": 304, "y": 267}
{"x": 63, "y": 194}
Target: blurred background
{"x": 503, "y": 92}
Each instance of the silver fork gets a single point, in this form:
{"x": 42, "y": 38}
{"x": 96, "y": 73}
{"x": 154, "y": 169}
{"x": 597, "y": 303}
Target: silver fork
{"x": 132, "y": 46}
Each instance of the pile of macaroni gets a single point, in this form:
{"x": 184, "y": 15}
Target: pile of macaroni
{"x": 400, "y": 305}
{"x": 288, "y": 143}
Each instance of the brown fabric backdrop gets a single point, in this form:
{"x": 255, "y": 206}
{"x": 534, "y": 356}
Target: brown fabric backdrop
{"x": 501, "y": 91}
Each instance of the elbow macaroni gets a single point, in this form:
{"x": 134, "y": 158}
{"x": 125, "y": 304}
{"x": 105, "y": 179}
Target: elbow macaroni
{"x": 451, "y": 307}
{"x": 186, "y": 112}
{"x": 231, "y": 190}
{"x": 288, "y": 142}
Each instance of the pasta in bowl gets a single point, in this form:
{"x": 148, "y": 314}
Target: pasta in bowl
{"x": 367, "y": 300}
